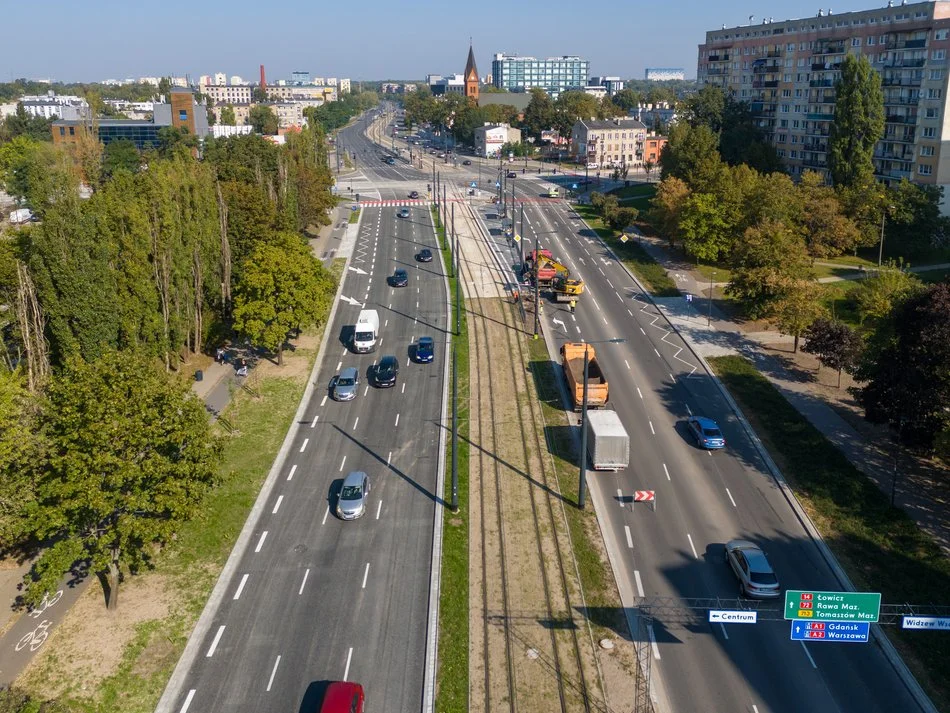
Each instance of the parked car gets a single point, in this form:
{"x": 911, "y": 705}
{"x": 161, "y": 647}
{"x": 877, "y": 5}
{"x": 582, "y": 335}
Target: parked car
{"x": 400, "y": 278}
{"x": 706, "y": 432}
{"x": 593, "y": 165}
{"x": 425, "y": 350}
{"x": 403, "y": 213}
{"x": 413, "y": 194}
{"x": 752, "y": 568}
{"x": 354, "y": 496}
{"x": 467, "y": 162}
{"x": 386, "y": 372}
{"x": 344, "y": 385}
{"x": 425, "y": 255}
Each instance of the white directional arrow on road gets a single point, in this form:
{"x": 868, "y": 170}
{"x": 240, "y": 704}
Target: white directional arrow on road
{"x": 557, "y": 321}
{"x": 357, "y": 270}
{"x": 350, "y": 300}
{"x": 582, "y": 261}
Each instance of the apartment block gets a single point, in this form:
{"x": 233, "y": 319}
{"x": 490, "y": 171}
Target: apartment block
{"x": 227, "y": 94}
{"x": 787, "y": 71}
{"x": 608, "y": 143}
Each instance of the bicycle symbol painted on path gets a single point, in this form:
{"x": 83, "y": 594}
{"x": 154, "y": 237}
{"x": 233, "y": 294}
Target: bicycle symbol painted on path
{"x": 36, "y": 638}
{"x": 46, "y": 603}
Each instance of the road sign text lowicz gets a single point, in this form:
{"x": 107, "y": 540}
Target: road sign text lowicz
{"x": 832, "y": 606}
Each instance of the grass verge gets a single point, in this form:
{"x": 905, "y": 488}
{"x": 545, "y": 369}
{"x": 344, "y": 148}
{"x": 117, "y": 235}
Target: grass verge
{"x": 639, "y": 190}
{"x": 879, "y": 546}
{"x": 354, "y": 216}
{"x": 836, "y": 297}
{"x": 452, "y": 677}
{"x": 651, "y": 273}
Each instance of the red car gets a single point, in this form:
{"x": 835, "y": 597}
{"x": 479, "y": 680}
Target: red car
{"x": 343, "y": 697}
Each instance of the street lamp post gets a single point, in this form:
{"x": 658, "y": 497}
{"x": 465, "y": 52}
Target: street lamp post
{"x": 455, "y": 430}
{"x": 537, "y": 287}
{"x": 880, "y": 249}
{"x": 709, "y": 313}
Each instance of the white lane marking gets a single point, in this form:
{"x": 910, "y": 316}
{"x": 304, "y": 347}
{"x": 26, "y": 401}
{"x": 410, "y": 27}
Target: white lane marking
{"x": 379, "y": 508}
{"x": 721, "y": 626}
{"x": 386, "y": 323}
{"x": 380, "y": 342}
{"x": 280, "y": 499}
{"x": 672, "y": 378}
{"x": 390, "y": 306}
{"x": 656, "y": 649}
{"x": 187, "y": 703}
{"x": 657, "y": 353}
{"x": 343, "y": 353}
{"x": 304, "y": 446}
{"x": 689, "y": 410}
{"x": 641, "y": 328}
{"x": 636, "y": 576}
{"x": 417, "y": 304}
{"x": 408, "y": 362}
{"x": 314, "y": 422}
{"x": 599, "y": 268}
{"x": 303, "y": 582}
{"x": 356, "y": 421}
{"x": 619, "y": 297}
{"x": 349, "y": 657}
{"x": 691, "y": 546}
{"x": 620, "y": 497}
{"x": 611, "y": 284}
{"x": 325, "y": 516}
{"x": 652, "y": 430}
{"x": 403, "y": 387}
{"x": 627, "y": 363}
{"x": 338, "y": 365}
{"x": 324, "y": 400}
{"x": 638, "y": 388}
{"x": 237, "y": 594}
{"x": 631, "y": 314}
{"x": 389, "y": 458}
{"x": 273, "y": 673}
{"x": 574, "y": 317}
{"x": 342, "y": 463}
{"x": 290, "y": 475}
{"x": 365, "y": 576}
{"x": 813, "y": 664}
{"x": 755, "y": 709}
{"x": 605, "y": 320}
{"x": 577, "y": 328}
{"x": 626, "y": 531}
{"x": 214, "y": 643}
{"x": 666, "y": 471}
{"x": 260, "y": 542}
{"x": 397, "y": 420}
{"x": 730, "y": 499}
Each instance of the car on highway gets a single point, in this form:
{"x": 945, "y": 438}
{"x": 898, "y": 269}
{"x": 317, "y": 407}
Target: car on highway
{"x": 413, "y": 194}
{"x": 391, "y": 161}
{"x": 752, "y": 568}
{"x": 706, "y": 432}
{"x": 400, "y": 278}
{"x": 424, "y": 255}
{"x": 344, "y": 385}
{"x": 386, "y": 372}
{"x": 511, "y": 174}
{"x": 341, "y": 697}
{"x": 425, "y": 350}
{"x": 403, "y": 213}
{"x": 354, "y": 496}
{"x": 467, "y": 162}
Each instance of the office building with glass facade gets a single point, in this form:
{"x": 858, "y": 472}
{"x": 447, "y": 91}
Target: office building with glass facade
{"x": 554, "y": 74}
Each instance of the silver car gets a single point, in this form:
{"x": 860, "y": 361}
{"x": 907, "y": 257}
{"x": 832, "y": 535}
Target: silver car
{"x": 344, "y": 385}
{"x": 354, "y": 495}
{"x": 752, "y": 568}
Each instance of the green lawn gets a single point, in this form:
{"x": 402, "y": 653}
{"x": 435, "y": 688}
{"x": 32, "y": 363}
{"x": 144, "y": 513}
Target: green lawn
{"x": 354, "y": 216}
{"x": 836, "y": 298}
{"x": 879, "y": 546}
{"x": 651, "y": 273}
{"x": 638, "y": 190}
{"x": 716, "y": 273}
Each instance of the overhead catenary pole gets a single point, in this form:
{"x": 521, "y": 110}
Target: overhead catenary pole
{"x": 582, "y": 473}
{"x": 521, "y": 242}
{"x": 455, "y": 429}
{"x": 537, "y": 287}
{"x": 453, "y": 240}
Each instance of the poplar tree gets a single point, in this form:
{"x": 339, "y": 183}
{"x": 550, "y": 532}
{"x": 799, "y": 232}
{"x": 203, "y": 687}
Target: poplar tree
{"x": 858, "y": 123}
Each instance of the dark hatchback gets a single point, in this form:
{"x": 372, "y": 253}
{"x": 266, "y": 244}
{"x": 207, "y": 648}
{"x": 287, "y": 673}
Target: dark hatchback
{"x": 425, "y": 255}
{"x": 425, "y": 350}
{"x": 400, "y": 278}
{"x": 386, "y": 372}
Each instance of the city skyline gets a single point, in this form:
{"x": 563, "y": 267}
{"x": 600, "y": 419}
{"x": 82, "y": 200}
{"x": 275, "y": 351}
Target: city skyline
{"x": 390, "y": 42}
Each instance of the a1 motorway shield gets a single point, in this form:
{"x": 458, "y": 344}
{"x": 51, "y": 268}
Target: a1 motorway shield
{"x": 846, "y": 631}
{"x": 832, "y": 606}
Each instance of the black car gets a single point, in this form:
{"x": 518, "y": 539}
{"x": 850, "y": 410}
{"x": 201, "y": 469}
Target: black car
{"x": 414, "y": 194}
{"x": 511, "y": 174}
{"x": 400, "y": 278}
{"x": 385, "y": 373}
{"x": 466, "y": 162}
{"x": 424, "y": 255}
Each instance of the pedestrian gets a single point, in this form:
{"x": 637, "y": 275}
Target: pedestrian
{"x": 218, "y": 354}
{"x": 573, "y": 305}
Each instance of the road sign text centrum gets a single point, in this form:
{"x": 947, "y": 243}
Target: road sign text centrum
{"x": 832, "y": 606}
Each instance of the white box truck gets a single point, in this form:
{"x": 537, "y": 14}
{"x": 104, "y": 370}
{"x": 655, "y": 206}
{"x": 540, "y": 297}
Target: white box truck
{"x": 366, "y": 331}
{"x": 608, "y": 444}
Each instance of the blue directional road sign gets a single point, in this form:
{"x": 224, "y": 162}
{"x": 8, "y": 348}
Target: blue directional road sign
{"x": 473, "y": 184}
{"x": 573, "y": 186}
{"x": 354, "y": 207}
{"x": 841, "y": 631}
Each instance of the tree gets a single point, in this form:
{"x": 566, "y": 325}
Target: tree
{"x": 22, "y": 124}
{"x": 769, "y": 258}
{"x": 706, "y": 108}
{"x": 263, "y": 119}
{"x": 16, "y": 156}
{"x": 877, "y": 296}
{"x": 627, "y": 99}
{"x": 705, "y": 228}
{"x": 906, "y": 368}
{"x": 131, "y": 456}
{"x": 172, "y": 138}
{"x": 227, "y": 117}
{"x": 21, "y": 453}
{"x": 164, "y": 87}
{"x": 258, "y": 94}
{"x": 796, "y": 308}
{"x": 858, "y": 123}
{"x": 539, "y": 114}
{"x": 120, "y": 155}
{"x": 691, "y": 154}
{"x": 282, "y": 287}
{"x": 571, "y": 106}
{"x": 836, "y": 345}
{"x": 666, "y": 207}
{"x": 827, "y": 230}
{"x": 608, "y": 109}
{"x": 914, "y": 222}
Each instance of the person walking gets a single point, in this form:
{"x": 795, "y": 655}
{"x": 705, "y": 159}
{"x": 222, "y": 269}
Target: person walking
{"x": 573, "y": 305}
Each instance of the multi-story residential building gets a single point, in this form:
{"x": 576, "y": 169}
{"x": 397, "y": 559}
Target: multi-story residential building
{"x": 289, "y": 93}
{"x": 220, "y": 79}
{"x": 664, "y": 74}
{"x": 237, "y": 79}
{"x": 451, "y": 84}
{"x": 204, "y": 80}
{"x": 609, "y": 142}
{"x": 131, "y": 110}
{"x": 181, "y": 112}
{"x": 52, "y": 105}
{"x": 289, "y": 114}
{"x": 652, "y": 148}
{"x": 344, "y": 87}
{"x": 300, "y": 77}
{"x": 652, "y": 114}
{"x": 491, "y": 137}
{"x": 787, "y": 70}
{"x": 234, "y": 94}
{"x": 554, "y": 74}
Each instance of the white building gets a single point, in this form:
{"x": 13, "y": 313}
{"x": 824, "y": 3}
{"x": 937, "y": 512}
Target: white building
{"x": 237, "y": 80}
{"x": 344, "y": 87}
{"x": 179, "y": 81}
{"x": 611, "y": 85}
{"x": 649, "y": 114}
{"x": 219, "y": 130}
{"x": 204, "y": 80}
{"x": 149, "y": 80}
{"x": 663, "y": 74}
{"x": 491, "y": 137}
{"x": 220, "y": 79}
{"x": 227, "y": 95}
{"x": 131, "y": 110}
{"x": 62, "y": 106}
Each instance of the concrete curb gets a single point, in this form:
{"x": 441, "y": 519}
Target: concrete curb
{"x": 890, "y": 653}
{"x": 173, "y": 688}
{"x": 435, "y": 572}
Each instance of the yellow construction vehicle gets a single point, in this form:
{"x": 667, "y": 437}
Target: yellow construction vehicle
{"x": 551, "y": 272}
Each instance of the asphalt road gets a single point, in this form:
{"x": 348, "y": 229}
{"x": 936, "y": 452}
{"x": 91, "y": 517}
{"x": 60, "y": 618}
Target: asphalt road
{"x": 703, "y": 500}
{"x": 315, "y": 598}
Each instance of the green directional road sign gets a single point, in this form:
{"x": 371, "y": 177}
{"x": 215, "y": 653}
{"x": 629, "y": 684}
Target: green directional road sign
{"x": 832, "y": 606}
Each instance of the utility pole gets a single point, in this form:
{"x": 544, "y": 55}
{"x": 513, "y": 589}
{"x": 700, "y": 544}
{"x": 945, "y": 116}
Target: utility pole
{"x": 521, "y": 242}
{"x": 454, "y": 241}
{"x": 537, "y": 287}
{"x": 445, "y": 206}
{"x": 455, "y": 430}
{"x": 582, "y": 474}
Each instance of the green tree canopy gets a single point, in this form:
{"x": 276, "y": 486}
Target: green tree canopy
{"x": 120, "y": 155}
{"x": 836, "y": 345}
{"x": 627, "y": 99}
{"x": 858, "y": 123}
{"x": 539, "y": 114}
{"x": 21, "y": 454}
{"x": 877, "y": 296}
{"x": 263, "y": 119}
{"x": 227, "y": 117}
{"x": 131, "y": 456}
{"x": 705, "y": 227}
{"x": 691, "y": 154}
{"x": 666, "y": 207}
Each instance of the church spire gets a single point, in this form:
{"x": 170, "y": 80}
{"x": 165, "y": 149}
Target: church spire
{"x": 471, "y": 74}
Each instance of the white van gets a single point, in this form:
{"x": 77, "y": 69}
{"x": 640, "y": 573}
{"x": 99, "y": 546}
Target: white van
{"x": 366, "y": 331}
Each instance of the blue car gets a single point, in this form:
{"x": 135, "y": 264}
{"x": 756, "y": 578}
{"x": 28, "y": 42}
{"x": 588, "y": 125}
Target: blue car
{"x": 425, "y": 350}
{"x": 706, "y": 432}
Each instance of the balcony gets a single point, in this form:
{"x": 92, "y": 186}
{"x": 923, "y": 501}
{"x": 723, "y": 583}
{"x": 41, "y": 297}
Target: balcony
{"x": 719, "y": 57}
{"x": 815, "y": 146}
{"x": 822, "y": 99}
{"x": 894, "y": 174}
{"x": 900, "y": 82}
{"x": 814, "y": 163}
{"x": 901, "y": 119}
{"x": 825, "y": 66}
{"x": 901, "y": 101}
{"x": 905, "y": 63}
{"x": 821, "y": 82}
{"x": 817, "y": 132}
{"x": 715, "y": 70}
{"x": 899, "y": 139}
{"x": 820, "y": 117}
{"x": 829, "y": 49}
{"x": 906, "y": 44}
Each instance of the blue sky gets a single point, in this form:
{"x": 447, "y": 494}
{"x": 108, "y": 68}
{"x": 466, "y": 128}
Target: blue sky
{"x": 367, "y": 39}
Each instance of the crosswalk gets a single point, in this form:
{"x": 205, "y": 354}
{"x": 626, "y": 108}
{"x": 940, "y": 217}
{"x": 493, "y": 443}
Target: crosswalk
{"x": 422, "y": 201}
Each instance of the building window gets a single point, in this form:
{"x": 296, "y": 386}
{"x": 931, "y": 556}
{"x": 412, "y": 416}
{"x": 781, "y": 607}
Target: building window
{"x": 932, "y": 112}
{"x": 793, "y": 154}
{"x": 939, "y": 54}
{"x": 72, "y": 130}
{"x": 871, "y": 40}
{"x": 926, "y": 150}
{"x": 936, "y": 74}
{"x": 934, "y": 93}
{"x": 924, "y": 169}
{"x": 941, "y": 34}
{"x": 62, "y": 130}
{"x": 929, "y": 132}
{"x": 855, "y": 41}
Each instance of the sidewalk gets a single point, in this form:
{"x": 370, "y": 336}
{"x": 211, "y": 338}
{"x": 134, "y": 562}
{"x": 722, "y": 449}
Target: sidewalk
{"x": 920, "y": 496}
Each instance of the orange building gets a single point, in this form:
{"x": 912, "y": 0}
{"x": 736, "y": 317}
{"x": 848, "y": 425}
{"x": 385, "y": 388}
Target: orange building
{"x": 652, "y": 148}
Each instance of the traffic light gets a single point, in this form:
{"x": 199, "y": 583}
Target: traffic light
{"x": 428, "y": 186}
{"x": 357, "y": 197}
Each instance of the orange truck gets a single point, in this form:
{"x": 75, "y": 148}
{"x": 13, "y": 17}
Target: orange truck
{"x": 572, "y": 359}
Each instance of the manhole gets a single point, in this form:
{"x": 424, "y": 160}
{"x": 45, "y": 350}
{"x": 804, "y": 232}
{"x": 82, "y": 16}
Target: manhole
{"x": 606, "y": 644}
{"x": 300, "y": 548}
{"x": 532, "y": 654}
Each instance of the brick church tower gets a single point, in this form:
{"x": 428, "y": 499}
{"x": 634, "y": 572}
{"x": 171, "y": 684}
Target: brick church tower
{"x": 471, "y": 76}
